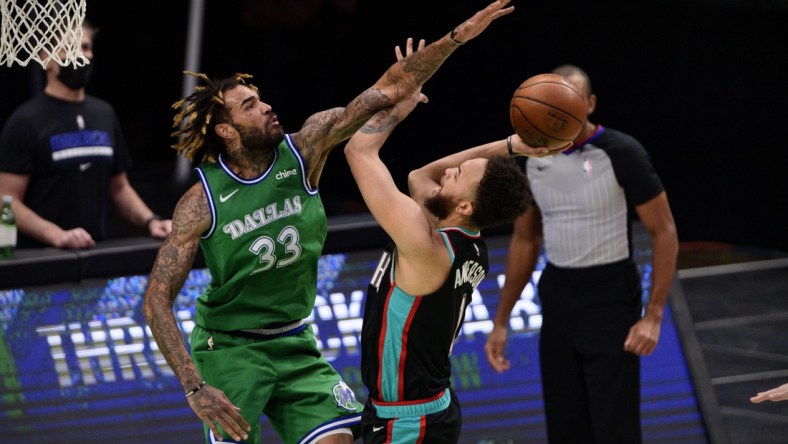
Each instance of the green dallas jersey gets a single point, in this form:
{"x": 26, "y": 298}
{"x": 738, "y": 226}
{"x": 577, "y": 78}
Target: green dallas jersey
{"x": 263, "y": 246}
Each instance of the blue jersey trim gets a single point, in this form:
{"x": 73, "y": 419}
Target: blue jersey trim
{"x": 211, "y": 204}
{"x": 239, "y": 179}
{"x": 304, "y": 177}
{"x": 340, "y": 423}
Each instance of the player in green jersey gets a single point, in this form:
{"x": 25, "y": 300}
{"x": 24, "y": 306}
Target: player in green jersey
{"x": 258, "y": 218}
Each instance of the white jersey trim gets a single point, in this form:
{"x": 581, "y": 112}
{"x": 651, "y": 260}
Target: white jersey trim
{"x": 304, "y": 177}
{"x": 211, "y": 204}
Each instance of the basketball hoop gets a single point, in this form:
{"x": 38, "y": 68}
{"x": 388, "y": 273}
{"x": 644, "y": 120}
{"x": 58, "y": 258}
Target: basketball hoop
{"x": 42, "y": 30}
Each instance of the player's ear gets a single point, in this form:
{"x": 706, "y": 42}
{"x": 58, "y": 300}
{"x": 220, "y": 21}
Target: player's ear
{"x": 464, "y": 207}
{"x": 591, "y": 105}
{"x": 224, "y": 130}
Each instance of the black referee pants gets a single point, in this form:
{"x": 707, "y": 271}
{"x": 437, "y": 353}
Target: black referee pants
{"x": 591, "y": 385}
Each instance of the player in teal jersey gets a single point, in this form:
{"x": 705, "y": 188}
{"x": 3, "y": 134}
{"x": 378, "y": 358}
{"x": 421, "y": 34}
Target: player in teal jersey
{"x": 425, "y": 279}
{"x": 257, "y": 215}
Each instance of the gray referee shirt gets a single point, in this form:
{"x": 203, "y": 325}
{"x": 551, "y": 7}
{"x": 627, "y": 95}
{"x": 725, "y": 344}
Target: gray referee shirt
{"x": 583, "y": 196}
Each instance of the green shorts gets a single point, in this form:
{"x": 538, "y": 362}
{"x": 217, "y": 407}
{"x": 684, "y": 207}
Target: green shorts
{"x": 286, "y": 378}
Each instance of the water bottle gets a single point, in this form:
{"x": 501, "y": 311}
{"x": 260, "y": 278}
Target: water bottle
{"x": 7, "y": 230}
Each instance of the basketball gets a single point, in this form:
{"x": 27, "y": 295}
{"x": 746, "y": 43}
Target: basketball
{"x": 547, "y": 111}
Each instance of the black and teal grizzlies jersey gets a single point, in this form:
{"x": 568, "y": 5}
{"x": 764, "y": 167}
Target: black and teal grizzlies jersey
{"x": 263, "y": 245}
{"x": 406, "y": 340}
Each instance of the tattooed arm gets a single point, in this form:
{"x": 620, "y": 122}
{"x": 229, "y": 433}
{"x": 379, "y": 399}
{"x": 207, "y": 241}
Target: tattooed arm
{"x": 324, "y": 130}
{"x": 173, "y": 263}
{"x": 391, "y": 208}
{"x": 422, "y": 258}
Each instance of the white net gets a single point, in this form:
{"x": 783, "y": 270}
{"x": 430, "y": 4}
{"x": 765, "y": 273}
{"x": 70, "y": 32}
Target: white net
{"x": 42, "y": 30}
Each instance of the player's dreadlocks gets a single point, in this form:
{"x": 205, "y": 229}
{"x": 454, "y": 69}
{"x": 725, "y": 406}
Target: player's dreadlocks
{"x": 200, "y": 112}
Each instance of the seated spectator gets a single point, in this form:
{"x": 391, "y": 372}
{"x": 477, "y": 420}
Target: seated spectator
{"x": 62, "y": 157}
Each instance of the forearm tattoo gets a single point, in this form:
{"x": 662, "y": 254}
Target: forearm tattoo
{"x": 316, "y": 128}
{"x": 173, "y": 263}
{"x": 421, "y": 65}
{"x": 382, "y": 122}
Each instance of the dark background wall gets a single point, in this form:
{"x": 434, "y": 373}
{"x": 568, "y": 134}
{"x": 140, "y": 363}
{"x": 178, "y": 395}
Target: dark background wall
{"x": 699, "y": 82}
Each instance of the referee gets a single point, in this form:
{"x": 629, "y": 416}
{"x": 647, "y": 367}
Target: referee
{"x": 594, "y": 328}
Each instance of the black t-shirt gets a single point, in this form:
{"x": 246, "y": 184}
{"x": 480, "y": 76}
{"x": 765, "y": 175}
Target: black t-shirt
{"x": 70, "y": 151}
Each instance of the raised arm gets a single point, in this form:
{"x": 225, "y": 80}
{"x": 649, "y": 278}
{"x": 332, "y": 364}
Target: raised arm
{"x": 426, "y": 178}
{"x": 396, "y": 213}
{"x": 422, "y": 259}
{"x": 173, "y": 263}
{"x": 323, "y": 131}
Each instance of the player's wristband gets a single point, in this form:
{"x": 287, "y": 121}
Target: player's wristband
{"x": 453, "y": 40}
{"x": 195, "y": 390}
{"x": 151, "y": 218}
{"x": 509, "y": 146}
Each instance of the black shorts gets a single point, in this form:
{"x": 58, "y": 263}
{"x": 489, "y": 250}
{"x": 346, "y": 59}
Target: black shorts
{"x": 443, "y": 426}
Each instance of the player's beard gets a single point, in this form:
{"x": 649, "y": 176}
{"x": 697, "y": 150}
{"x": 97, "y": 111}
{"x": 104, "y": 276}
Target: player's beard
{"x": 439, "y": 205}
{"x": 256, "y": 142}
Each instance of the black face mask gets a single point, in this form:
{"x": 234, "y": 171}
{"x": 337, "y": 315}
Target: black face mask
{"x": 75, "y": 78}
